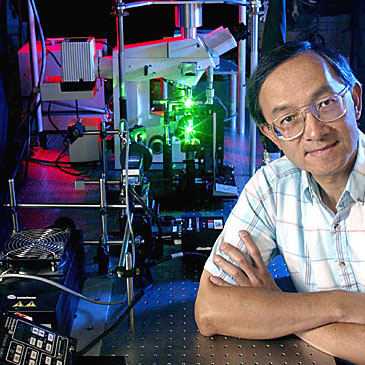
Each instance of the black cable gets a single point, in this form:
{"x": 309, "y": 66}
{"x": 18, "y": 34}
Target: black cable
{"x": 53, "y": 163}
{"x": 54, "y": 57}
{"x": 25, "y": 116}
{"x": 175, "y": 256}
{"x": 62, "y": 169}
{"x": 28, "y": 144}
{"x": 146, "y": 208}
{"x": 135, "y": 300}
{"x": 77, "y": 109}
{"x": 51, "y": 121}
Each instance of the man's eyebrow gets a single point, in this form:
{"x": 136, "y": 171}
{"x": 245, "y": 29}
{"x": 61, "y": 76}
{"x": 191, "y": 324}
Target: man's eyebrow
{"x": 324, "y": 89}
{"x": 318, "y": 93}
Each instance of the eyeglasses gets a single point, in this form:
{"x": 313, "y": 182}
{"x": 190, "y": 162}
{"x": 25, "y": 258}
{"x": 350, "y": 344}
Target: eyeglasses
{"x": 326, "y": 109}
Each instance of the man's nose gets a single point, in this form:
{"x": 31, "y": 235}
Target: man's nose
{"x": 313, "y": 127}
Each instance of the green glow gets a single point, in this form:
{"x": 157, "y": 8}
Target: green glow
{"x": 189, "y": 133}
{"x": 189, "y": 103}
{"x": 138, "y": 135}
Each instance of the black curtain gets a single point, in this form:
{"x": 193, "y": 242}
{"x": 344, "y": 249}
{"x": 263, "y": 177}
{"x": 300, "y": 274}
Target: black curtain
{"x": 274, "y": 35}
{"x": 357, "y": 60}
{"x": 3, "y": 97}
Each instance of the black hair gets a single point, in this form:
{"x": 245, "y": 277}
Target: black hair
{"x": 279, "y": 55}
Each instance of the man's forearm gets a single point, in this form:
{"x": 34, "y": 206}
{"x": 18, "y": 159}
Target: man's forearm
{"x": 260, "y": 313}
{"x": 343, "y": 340}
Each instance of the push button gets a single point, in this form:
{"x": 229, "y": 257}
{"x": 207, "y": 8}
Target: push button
{"x": 48, "y": 347}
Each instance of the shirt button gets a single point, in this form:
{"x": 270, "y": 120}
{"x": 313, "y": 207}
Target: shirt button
{"x": 336, "y": 226}
{"x": 342, "y": 264}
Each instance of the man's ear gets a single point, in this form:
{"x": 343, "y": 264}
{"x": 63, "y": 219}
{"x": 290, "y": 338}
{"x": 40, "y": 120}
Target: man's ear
{"x": 357, "y": 98}
{"x": 264, "y": 130}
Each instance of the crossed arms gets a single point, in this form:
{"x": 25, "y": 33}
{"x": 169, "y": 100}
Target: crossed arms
{"x": 332, "y": 321}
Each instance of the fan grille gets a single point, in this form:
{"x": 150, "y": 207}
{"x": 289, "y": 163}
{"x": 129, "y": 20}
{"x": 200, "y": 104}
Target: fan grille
{"x": 37, "y": 244}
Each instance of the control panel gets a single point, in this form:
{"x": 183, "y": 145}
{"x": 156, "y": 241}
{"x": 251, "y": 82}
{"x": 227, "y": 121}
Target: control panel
{"x": 23, "y": 342}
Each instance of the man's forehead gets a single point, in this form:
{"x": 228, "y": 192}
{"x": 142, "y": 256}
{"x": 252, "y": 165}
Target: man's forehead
{"x": 297, "y": 81}
{"x": 305, "y": 65}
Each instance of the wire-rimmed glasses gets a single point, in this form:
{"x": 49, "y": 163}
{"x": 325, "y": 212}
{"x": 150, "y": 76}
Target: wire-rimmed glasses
{"x": 326, "y": 109}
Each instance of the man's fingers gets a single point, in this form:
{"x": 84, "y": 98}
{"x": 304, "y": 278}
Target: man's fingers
{"x": 240, "y": 259}
{"x": 232, "y": 270}
{"x": 252, "y": 249}
{"x": 218, "y": 281}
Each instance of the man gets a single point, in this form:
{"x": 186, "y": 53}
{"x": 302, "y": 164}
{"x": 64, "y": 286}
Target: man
{"x": 308, "y": 206}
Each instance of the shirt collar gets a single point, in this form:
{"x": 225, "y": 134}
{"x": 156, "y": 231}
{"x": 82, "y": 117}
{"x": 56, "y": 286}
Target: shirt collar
{"x": 309, "y": 186}
{"x": 355, "y": 184}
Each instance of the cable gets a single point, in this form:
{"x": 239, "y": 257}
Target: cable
{"x": 77, "y": 109}
{"x": 146, "y": 208}
{"x": 81, "y": 108}
{"x": 52, "y": 163}
{"x": 227, "y": 118}
{"x": 133, "y": 303}
{"x": 59, "y": 286}
{"x": 62, "y": 169}
{"x": 43, "y": 43}
{"x": 54, "y": 57}
{"x": 175, "y": 256}
{"x": 126, "y": 167}
{"x": 51, "y": 121}
{"x": 135, "y": 300}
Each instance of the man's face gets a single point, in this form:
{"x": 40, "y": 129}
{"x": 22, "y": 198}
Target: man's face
{"x": 327, "y": 150}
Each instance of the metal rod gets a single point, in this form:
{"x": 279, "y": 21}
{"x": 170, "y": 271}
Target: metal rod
{"x": 65, "y": 205}
{"x": 181, "y": 2}
{"x": 254, "y": 59}
{"x": 96, "y": 182}
{"x": 121, "y": 52}
{"x": 239, "y": 126}
{"x": 210, "y": 86}
{"x": 214, "y": 116}
{"x": 96, "y": 131}
{"x": 233, "y": 88}
{"x": 188, "y": 17}
{"x": 103, "y": 148}
{"x": 108, "y": 242}
{"x": 103, "y": 211}
{"x": 124, "y": 249}
{"x": 13, "y": 205}
{"x": 129, "y": 266}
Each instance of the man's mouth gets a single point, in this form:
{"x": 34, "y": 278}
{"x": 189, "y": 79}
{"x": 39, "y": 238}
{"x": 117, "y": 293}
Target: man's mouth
{"x": 323, "y": 150}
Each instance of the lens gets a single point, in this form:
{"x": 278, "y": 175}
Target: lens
{"x": 331, "y": 108}
{"x": 289, "y": 126}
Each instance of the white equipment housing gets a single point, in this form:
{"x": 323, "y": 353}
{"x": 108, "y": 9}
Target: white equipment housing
{"x": 176, "y": 59}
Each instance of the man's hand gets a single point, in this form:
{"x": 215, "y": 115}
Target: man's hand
{"x": 246, "y": 274}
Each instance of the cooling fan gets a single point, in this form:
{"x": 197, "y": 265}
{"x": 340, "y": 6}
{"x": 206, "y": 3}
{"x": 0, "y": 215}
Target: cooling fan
{"x": 35, "y": 249}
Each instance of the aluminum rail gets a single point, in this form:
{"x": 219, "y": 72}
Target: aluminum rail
{"x": 255, "y": 12}
{"x": 63, "y": 205}
{"x": 182, "y": 2}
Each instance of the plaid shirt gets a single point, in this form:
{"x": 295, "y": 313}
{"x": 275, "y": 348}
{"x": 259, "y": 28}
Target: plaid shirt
{"x": 282, "y": 210}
